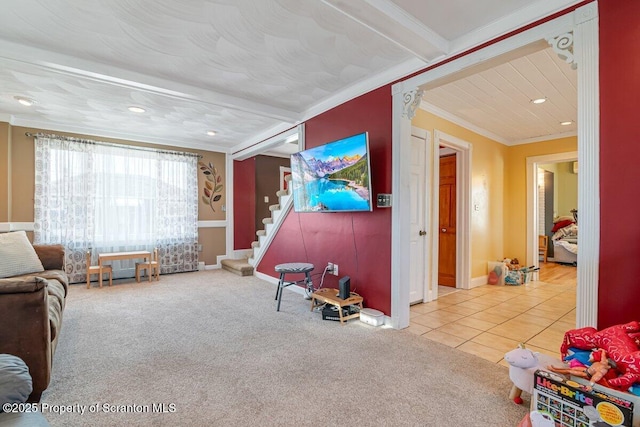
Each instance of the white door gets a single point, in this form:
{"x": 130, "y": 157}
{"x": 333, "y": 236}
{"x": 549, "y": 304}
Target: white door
{"x": 418, "y": 239}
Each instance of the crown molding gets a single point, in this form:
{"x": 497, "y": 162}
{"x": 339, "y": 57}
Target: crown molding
{"x": 462, "y": 122}
{"x": 518, "y": 19}
{"x": 545, "y": 138}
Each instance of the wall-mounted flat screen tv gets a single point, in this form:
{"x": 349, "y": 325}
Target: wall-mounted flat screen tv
{"x": 335, "y": 177}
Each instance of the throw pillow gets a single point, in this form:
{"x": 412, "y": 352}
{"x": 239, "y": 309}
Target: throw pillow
{"x": 17, "y": 255}
{"x": 15, "y": 381}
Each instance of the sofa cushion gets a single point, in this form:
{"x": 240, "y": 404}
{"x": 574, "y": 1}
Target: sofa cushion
{"x": 51, "y": 256}
{"x": 15, "y": 381}
{"x": 17, "y": 255}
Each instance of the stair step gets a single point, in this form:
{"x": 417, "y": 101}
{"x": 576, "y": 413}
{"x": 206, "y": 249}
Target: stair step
{"x": 261, "y": 233}
{"x": 282, "y": 193}
{"x": 274, "y": 207}
{"x": 267, "y": 221}
{"x": 255, "y": 245}
{"x": 241, "y": 267}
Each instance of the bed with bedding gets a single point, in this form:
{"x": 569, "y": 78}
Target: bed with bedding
{"x": 565, "y": 240}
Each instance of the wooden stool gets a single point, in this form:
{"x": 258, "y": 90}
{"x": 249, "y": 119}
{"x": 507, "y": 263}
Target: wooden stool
{"x": 292, "y": 268}
{"x": 95, "y": 269}
{"x": 150, "y": 265}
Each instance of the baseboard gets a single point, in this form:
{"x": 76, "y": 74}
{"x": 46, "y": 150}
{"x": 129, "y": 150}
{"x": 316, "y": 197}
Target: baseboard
{"x": 295, "y": 288}
{"x": 478, "y": 281}
{"x": 213, "y": 267}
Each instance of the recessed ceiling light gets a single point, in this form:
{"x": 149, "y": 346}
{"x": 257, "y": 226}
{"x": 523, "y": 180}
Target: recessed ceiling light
{"x": 137, "y": 109}
{"x": 539, "y": 100}
{"x": 211, "y": 133}
{"x": 567, "y": 123}
{"x": 24, "y": 101}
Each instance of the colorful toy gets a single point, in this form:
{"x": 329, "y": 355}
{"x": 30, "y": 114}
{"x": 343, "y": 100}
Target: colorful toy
{"x": 596, "y": 372}
{"x": 523, "y": 364}
{"x": 619, "y": 342}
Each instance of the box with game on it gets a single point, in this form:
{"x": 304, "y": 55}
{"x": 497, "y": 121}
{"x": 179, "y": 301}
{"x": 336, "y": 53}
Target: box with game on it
{"x": 572, "y": 404}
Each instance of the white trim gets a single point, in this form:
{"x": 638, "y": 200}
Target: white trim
{"x": 246, "y": 151}
{"x": 426, "y": 106}
{"x": 212, "y": 224}
{"x": 478, "y": 281}
{"x": 532, "y": 199}
{"x": 229, "y": 208}
{"x": 283, "y": 170}
{"x": 545, "y": 138}
{"x": 274, "y": 281}
{"x": 586, "y": 50}
{"x": 213, "y": 267}
{"x": 518, "y": 19}
{"x": 464, "y": 151}
{"x": 272, "y": 229}
{"x": 6, "y": 227}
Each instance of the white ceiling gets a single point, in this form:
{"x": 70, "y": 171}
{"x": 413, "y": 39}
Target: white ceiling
{"x": 249, "y": 69}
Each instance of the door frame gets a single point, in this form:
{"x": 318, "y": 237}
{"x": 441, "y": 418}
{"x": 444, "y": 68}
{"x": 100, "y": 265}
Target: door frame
{"x": 532, "y": 199}
{"x": 425, "y": 135}
{"x": 579, "y": 28}
{"x": 463, "y": 208}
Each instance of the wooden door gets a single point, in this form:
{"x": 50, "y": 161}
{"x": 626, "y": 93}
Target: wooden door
{"x": 447, "y": 222}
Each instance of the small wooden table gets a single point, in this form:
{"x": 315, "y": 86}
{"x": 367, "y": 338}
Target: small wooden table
{"x": 118, "y": 256}
{"x": 330, "y": 296}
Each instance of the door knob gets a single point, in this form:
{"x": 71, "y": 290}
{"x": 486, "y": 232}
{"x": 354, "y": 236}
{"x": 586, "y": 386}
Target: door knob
{"x": 422, "y": 232}
{"x": 444, "y": 230}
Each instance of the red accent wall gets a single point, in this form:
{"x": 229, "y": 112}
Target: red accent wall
{"x": 619, "y": 285}
{"x": 359, "y": 242}
{"x": 244, "y": 203}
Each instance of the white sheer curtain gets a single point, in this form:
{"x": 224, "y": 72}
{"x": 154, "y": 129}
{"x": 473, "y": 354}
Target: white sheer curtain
{"x": 107, "y": 198}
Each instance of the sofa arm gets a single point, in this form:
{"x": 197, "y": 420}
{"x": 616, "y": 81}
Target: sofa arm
{"x": 51, "y": 256}
{"x": 21, "y": 285}
{"x": 25, "y": 330}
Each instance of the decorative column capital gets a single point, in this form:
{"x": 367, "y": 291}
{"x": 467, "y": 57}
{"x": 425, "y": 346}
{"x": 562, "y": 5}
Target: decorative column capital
{"x": 411, "y": 101}
{"x": 563, "y": 46}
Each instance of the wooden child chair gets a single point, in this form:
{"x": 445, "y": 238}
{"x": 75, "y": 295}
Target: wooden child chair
{"x": 95, "y": 269}
{"x": 153, "y": 263}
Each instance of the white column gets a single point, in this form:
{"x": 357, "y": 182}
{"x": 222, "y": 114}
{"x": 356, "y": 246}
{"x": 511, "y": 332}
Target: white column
{"x": 586, "y": 53}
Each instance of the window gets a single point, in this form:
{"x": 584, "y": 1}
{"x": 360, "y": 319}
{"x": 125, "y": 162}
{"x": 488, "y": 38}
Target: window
{"x": 107, "y": 198}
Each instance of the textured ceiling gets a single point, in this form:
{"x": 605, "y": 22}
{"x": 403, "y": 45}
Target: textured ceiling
{"x": 247, "y": 69}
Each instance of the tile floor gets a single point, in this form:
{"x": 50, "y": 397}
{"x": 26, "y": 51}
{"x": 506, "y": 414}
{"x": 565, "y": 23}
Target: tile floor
{"x": 490, "y": 320}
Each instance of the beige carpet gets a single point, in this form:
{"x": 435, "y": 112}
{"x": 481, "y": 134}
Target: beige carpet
{"x": 212, "y": 348}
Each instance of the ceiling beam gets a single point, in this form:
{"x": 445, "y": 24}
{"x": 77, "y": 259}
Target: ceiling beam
{"x": 107, "y": 74}
{"x": 396, "y": 25}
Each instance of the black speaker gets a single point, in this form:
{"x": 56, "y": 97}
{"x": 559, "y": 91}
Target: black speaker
{"x": 345, "y": 288}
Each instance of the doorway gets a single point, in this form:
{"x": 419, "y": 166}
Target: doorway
{"x": 447, "y": 218}
{"x": 583, "y": 24}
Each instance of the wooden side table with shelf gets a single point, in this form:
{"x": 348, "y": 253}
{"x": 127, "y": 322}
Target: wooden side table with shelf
{"x": 330, "y": 296}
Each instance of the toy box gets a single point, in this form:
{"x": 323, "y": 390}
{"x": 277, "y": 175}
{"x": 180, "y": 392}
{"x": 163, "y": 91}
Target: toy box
{"x": 497, "y": 271}
{"x": 572, "y": 404}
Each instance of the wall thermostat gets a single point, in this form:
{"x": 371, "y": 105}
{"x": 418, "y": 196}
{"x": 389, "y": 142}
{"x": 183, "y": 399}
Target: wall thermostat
{"x": 384, "y": 201}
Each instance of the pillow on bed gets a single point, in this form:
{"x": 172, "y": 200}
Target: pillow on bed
{"x": 561, "y": 224}
{"x": 17, "y": 255}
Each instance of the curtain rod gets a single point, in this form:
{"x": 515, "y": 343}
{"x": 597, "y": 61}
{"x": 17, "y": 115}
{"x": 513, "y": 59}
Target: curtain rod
{"x": 109, "y": 144}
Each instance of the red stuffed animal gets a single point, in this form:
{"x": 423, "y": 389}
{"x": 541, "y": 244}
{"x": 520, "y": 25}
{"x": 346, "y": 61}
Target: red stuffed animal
{"x": 618, "y": 341}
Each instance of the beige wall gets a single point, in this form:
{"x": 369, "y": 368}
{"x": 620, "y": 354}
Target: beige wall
{"x": 17, "y": 182}
{"x": 515, "y": 226}
{"x": 4, "y": 172}
{"x": 498, "y": 188}
{"x": 487, "y": 181}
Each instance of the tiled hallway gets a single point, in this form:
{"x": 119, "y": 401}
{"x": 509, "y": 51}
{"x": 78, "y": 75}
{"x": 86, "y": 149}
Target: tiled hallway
{"x": 490, "y": 320}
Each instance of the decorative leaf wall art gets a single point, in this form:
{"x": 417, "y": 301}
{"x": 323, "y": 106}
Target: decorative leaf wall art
{"x": 212, "y": 185}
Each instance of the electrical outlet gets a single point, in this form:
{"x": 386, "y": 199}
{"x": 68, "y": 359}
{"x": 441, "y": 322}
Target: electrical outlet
{"x": 335, "y": 269}
{"x": 329, "y": 267}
